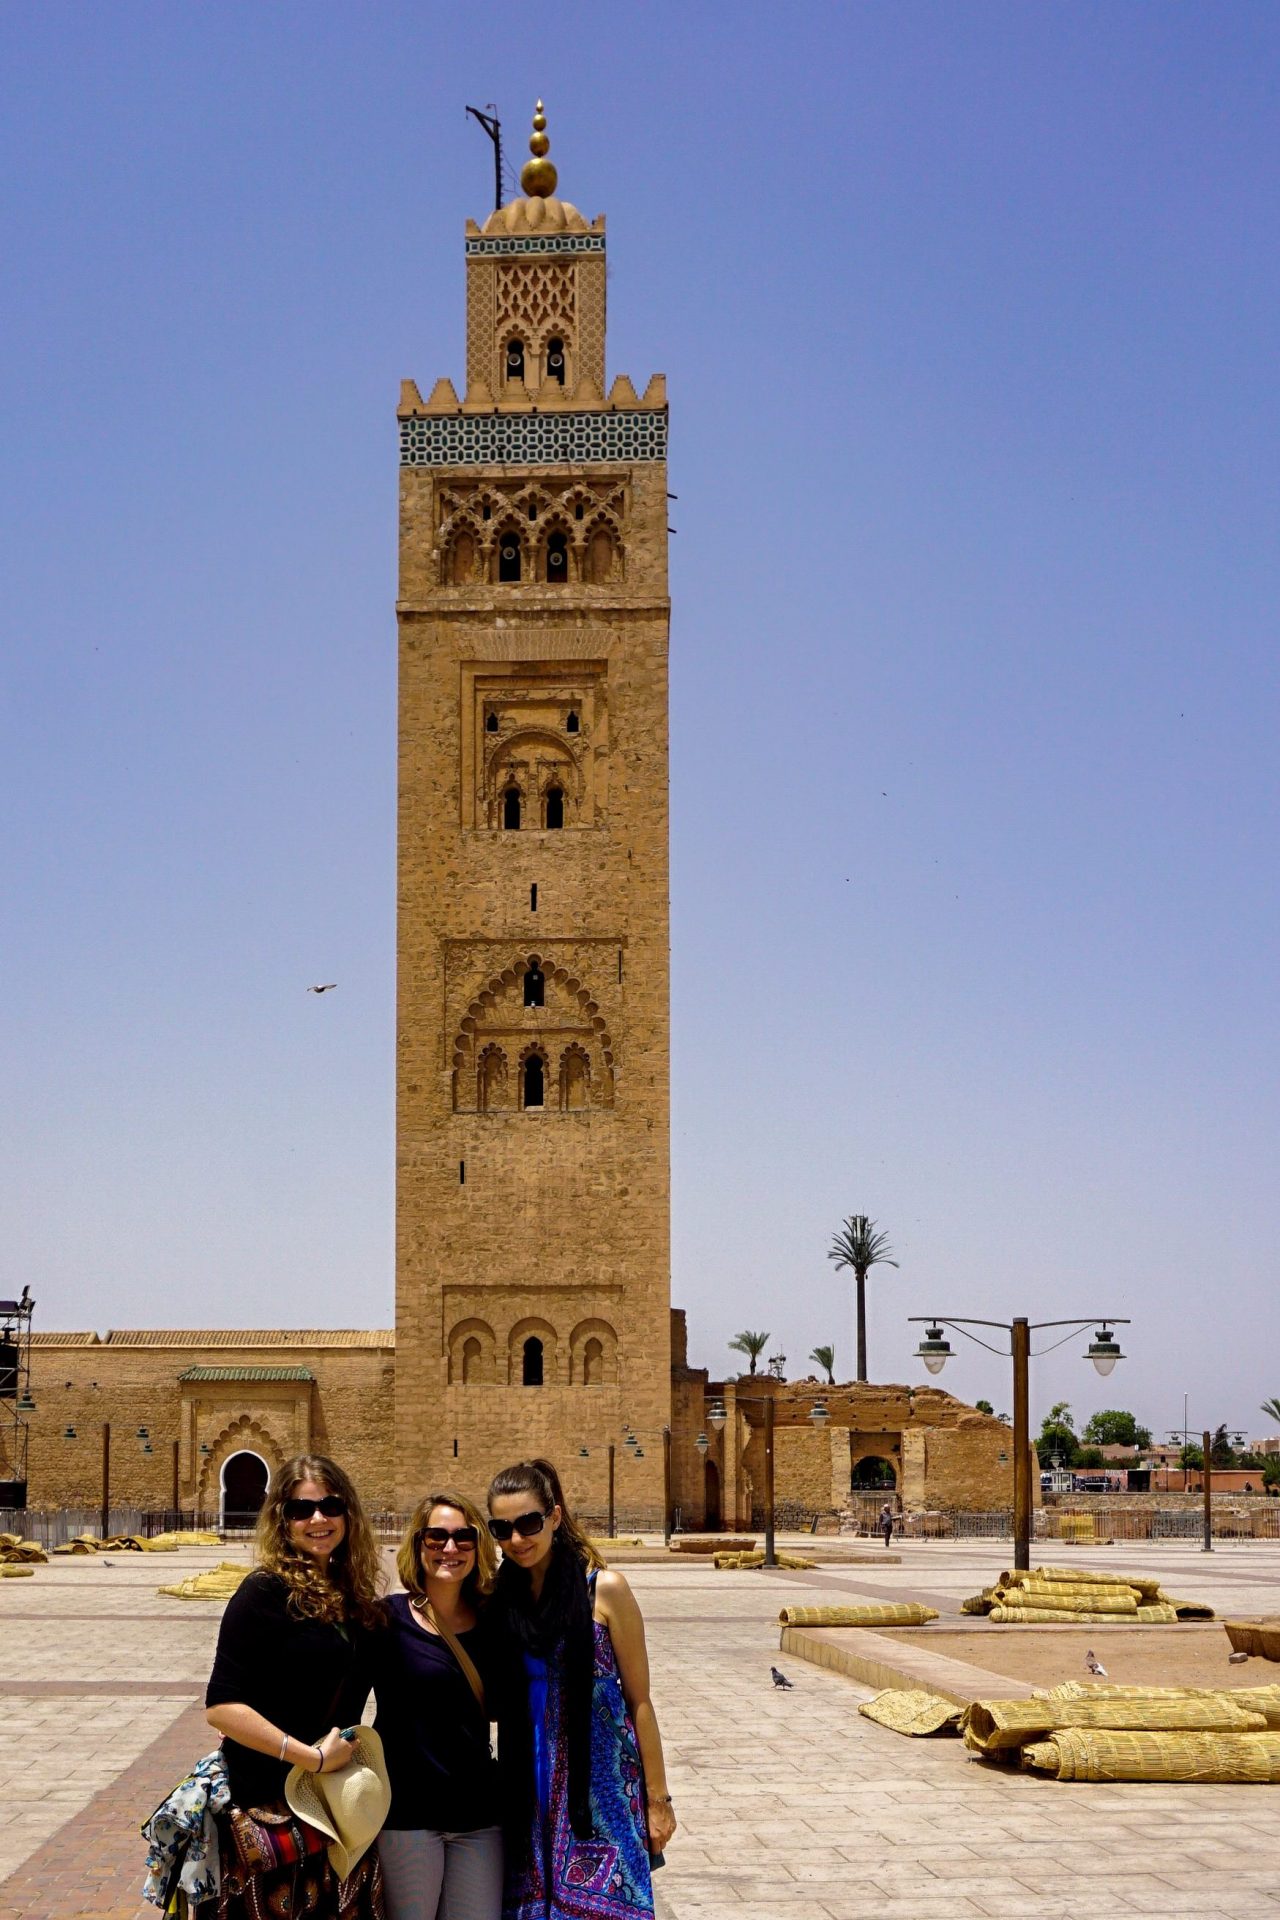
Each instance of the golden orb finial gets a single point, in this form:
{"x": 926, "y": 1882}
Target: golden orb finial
{"x": 538, "y": 176}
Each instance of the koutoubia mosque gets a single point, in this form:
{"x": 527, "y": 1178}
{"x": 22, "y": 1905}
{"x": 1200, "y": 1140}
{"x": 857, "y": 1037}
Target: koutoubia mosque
{"x": 532, "y": 1289}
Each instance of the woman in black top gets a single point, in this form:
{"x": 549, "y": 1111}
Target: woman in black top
{"x": 293, "y": 1669}
{"x": 441, "y": 1846}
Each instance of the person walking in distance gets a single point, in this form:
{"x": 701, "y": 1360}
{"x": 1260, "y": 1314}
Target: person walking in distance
{"x": 886, "y": 1522}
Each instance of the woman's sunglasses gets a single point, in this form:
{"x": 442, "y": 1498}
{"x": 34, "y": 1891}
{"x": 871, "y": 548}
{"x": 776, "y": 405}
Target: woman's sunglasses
{"x": 332, "y": 1507}
{"x": 525, "y": 1524}
{"x": 464, "y": 1538}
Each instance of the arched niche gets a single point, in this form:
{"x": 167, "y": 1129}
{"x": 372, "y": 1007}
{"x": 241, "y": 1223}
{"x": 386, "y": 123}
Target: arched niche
{"x": 593, "y": 1354}
{"x": 472, "y": 1349}
{"x": 242, "y": 1488}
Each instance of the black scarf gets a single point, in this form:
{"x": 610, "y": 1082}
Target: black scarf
{"x": 558, "y": 1630}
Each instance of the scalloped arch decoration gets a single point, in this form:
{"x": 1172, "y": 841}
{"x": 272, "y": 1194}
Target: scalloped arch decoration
{"x": 503, "y": 982}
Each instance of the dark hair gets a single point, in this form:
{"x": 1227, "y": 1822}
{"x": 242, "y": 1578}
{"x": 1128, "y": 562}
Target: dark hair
{"x": 348, "y": 1588}
{"x": 559, "y": 1622}
{"x": 540, "y": 1478}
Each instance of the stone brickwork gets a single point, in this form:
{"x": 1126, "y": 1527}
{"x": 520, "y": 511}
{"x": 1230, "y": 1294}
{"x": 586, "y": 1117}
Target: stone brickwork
{"x": 532, "y": 1262}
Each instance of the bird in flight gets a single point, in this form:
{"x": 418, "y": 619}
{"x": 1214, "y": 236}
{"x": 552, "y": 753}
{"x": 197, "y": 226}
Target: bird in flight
{"x": 326, "y": 988}
{"x": 779, "y": 1679}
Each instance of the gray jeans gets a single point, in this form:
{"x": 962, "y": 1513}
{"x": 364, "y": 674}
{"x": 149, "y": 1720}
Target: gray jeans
{"x": 442, "y": 1876}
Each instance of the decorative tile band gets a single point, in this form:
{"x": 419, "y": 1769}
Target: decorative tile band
{"x": 536, "y": 243}
{"x": 531, "y": 439}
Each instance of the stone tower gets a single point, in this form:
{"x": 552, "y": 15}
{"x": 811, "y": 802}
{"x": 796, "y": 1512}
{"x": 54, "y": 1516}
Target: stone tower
{"x": 532, "y": 1182}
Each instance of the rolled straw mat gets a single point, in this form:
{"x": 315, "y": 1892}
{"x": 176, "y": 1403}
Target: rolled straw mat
{"x": 1264, "y": 1699}
{"x": 216, "y": 1583}
{"x": 915, "y": 1712}
{"x": 1073, "y": 1599}
{"x": 1084, "y": 1577}
{"x": 1158, "y": 1615}
{"x": 1080, "y": 1753}
{"x": 16, "y": 1571}
{"x": 1011, "y": 1723}
{"x": 887, "y": 1613}
{"x": 1189, "y": 1609}
{"x": 1059, "y": 1616}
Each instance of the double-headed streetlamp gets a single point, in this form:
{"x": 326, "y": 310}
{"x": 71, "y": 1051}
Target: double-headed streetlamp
{"x": 717, "y": 1415}
{"x": 1103, "y": 1350}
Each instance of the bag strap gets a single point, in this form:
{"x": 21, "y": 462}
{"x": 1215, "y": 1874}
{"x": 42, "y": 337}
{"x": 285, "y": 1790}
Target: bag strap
{"x": 459, "y": 1653}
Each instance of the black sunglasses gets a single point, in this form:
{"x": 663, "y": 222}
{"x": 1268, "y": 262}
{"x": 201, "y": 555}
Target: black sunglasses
{"x": 462, "y": 1537}
{"x": 332, "y": 1506}
{"x": 526, "y": 1525}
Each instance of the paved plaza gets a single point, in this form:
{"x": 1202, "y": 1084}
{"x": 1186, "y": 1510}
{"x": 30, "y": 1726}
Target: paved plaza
{"x": 789, "y": 1802}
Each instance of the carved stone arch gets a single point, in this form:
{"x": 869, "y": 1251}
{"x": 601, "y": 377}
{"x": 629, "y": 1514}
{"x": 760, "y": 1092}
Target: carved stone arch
{"x": 603, "y": 557}
{"x": 491, "y": 1078}
{"x": 566, "y": 982}
{"x": 533, "y": 1327}
{"x": 593, "y": 1351}
{"x": 508, "y": 529}
{"x": 244, "y": 1434}
{"x": 532, "y": 759}
{"x": 472, "y": 1350}
{"x": 557, "y": 521}
{"x": 460, "y": 557}
{"x": 534, "y": 1050}
{"x": 575, "y": 1078}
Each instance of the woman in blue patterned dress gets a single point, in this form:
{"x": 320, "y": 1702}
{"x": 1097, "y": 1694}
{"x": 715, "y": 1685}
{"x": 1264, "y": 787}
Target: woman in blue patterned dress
{"x": 584, "y": 1782}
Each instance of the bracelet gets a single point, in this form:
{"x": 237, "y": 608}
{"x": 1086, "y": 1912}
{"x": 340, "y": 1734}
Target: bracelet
{"x": 319, "y": 1753}
{"x": 659, "y": 1799}
{"x": 284, "y": 1746}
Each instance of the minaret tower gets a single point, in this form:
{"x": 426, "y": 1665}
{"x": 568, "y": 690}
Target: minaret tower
{"x": 532, "y": 1180}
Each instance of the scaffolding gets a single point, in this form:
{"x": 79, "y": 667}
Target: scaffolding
{"x": 16, "y": 1403}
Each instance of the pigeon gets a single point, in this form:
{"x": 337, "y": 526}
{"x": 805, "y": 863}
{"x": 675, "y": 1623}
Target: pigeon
{"x": 779, "y": 1679}
{"x": 327, "y": 988}
{"x": 1095, "y": 1665}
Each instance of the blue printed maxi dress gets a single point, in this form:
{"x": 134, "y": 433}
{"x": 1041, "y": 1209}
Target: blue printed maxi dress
{"x": 564, "y": 1878}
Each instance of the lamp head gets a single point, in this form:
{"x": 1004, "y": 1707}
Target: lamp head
{"x": 934, "y": 1350}
{"x": 1104, "y": 1350}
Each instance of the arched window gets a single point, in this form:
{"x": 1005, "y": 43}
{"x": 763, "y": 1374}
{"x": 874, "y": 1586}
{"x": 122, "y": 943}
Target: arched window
{"x": 511, "y": 807}
{"x": 557, "y": 559}
{"x": 472, "y": 1354}
{"x": 490, "y": 1079}
{"x": 573, "y": 1080}
{"x": 508, "y": 558}
{"x": 555, "y": 361}
{"x": 534, "y": 1088}
{"x": 572, "y": 723}
{"x": 555, "y": 806}
{"x": 491, "y": 723}
{"x": 514, "y": 368}
{"x": 592, "y": 1364}
{"x": 535, "y": 987}
{"x": 531, "y": 1367}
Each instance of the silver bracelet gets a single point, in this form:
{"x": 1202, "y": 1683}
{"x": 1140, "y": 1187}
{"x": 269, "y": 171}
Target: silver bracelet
{"x": 284, "y": 1745}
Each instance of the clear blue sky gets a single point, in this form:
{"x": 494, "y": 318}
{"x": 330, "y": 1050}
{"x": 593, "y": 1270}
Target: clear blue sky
{"x": 969, "y": 315}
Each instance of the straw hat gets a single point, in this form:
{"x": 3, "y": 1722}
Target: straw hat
{"x": 349, "y": 1806}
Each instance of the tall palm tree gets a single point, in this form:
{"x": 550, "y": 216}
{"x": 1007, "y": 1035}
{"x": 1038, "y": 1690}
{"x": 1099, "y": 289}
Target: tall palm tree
{"x": 1272, "y": 1409}
{"x": 826, "y": 1357}
{"x": 859, "y": 1246}
{"x": 752, "y": 1344}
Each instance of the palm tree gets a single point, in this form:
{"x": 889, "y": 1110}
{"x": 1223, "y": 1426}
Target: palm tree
{"x": 826, "y": 1357}
{"x": 752, "y": 1344}
{"x": 1272, "y": 1409}
{"x": 858, "y": 1245}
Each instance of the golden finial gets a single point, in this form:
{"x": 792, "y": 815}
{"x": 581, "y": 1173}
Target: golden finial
{"x": 538, "y": 176}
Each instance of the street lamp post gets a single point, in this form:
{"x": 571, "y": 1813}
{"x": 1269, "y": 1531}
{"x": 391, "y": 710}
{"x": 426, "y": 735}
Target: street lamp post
{"x": 935, "y": 1351}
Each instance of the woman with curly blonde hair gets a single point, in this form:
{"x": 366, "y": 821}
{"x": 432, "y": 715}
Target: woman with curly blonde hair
{"x": 292, "y": 1674}
{"x": 436, "y": 1677}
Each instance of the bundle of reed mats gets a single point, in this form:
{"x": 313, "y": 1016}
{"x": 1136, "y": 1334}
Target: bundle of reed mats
{"x": 1264, "y": 1699}
{"x": 887, "y": 1613}
{"x": 15, "y": 1551}
{"x": 12, "y": 1571}
{"x": 1259, "y": 1637}
{"x": 215, "y": 1583}
{"x": 1003, "y": 1616}
{"x": 990, "y": 1725}
{"x": 735, "y": 1562}
{"x": 912, "y": 1711}
{"x": 197, "y": 1537}
{"x": 710, "y": 1543}
{"x": 1228, "y": 1759}
{"x": 1080, "y": 1596}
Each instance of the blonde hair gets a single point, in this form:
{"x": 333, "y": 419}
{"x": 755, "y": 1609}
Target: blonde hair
{"x": 540, "y": 1478}
{"x": 478, "y": 1584}
{"x": 349, "y": 1588}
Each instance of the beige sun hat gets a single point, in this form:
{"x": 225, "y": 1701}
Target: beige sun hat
{"x": 349, "y": 1806}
